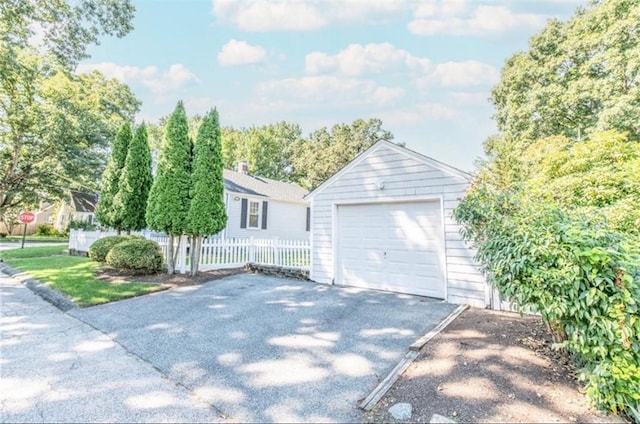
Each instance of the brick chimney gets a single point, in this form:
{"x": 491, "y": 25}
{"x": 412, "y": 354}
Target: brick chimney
{"x": 243, "y": 167}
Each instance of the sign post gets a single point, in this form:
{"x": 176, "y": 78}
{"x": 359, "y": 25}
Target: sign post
{"x": 25, "y": 218}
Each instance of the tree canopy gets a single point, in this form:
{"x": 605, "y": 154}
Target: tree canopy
{"x": 130, "y": 203}
{"x": 55, "y": 126}
{"x": 577, "y": 77}
{"x": 106, "y": 209}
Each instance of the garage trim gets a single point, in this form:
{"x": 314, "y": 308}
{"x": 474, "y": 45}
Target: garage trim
{"x": 389, "y": 200}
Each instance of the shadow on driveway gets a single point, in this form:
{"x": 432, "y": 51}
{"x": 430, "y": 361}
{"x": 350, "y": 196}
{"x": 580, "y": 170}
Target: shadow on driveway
{"x": 267, "y": 349}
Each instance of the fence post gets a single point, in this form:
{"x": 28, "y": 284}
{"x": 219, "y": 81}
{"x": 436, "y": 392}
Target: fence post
{"x": 182, "y": 256}
{"x": 276, "y": 251}
{"x": 252, "y": 253}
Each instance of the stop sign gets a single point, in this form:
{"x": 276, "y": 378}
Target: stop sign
{"x": 26, "y": 217}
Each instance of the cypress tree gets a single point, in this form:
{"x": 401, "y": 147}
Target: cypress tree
{"x": 168, "y": 203}
{"x": 111, "y": 178}
{"x": 130, "y": 203}
{"x": 207, "y": 215}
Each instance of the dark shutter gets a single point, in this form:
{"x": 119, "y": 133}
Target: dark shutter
{"x": 264, "y": 215}
{"x": 243, "y": 214}
{"x": 308, "y": 219}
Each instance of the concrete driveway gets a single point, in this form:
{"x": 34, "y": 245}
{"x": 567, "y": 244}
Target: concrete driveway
{"x": 265, "y": 349}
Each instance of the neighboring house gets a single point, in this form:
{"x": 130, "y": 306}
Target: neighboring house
{"x": 80, "y": 206}
{"x": 384, "y": 222}
{"x": 262, "y": 207}
{"x": 45, "y": 214}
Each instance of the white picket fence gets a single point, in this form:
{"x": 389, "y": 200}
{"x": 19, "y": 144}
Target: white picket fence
{"x": 217, "y": 253}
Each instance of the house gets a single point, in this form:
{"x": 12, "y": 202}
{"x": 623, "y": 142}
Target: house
{"x": 80, "y": 206}
{"x": 261, "y": 207}
{"x": 43, "y": 215}
{"x": 385, "y": 222}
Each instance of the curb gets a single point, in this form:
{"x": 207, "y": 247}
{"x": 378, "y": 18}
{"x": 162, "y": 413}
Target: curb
{"x": 370, "y": 401}
{"x": 41, "y": 289}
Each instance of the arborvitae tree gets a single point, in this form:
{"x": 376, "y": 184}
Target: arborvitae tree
{"x": 111, "y": 178}
{"x": 168, "y": 203}
{"x": 130, "y": 204}
{"x": 207, "y": 215}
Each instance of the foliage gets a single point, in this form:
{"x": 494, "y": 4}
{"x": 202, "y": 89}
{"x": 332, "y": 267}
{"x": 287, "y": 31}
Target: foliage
{"x": 46, "y": 230}
{"x": 207, "y": 215}
{"x": 137, "y": 256}
{"x": 9, "y": 217}
{"x": 168, "y": 203}
{"x": 326, "y": 152}
{"x": 577, "y": 77}
{"x": 74, "y": 276}
{"x": 130, "y": 203}
{"x": 65, "y": 27}
{"x": 54, "y": 125}
{"x": 554, "y": 232}
{"x": 81, "y": 225}
{"x": 269, "y": 149}
{"x": 106, "y": 210}
{"x": 100, "y": 248}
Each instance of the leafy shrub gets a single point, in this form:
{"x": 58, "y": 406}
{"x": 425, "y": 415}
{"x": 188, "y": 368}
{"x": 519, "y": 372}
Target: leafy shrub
{"x": 100, "y": 248}
{"x": 136, "y": 256}
{"x": 46, "y": 230}
{"x": 582, "y": 276}
{"x": 3, "y": 235}
{"x": 81, "y": 225}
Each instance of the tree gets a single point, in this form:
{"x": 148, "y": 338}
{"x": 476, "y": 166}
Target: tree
{"x": 130, "y": 203}
{"x": 326, "y": 152}
{"x": 577, "y": 77}
{"x": 207, "y": 215}
{"x": 54, "y": 126}
{"x": 106, "y": 211}
{"x": 168, "y": 203}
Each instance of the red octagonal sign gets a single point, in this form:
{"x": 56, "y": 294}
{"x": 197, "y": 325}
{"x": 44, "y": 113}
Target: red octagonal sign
{"x": 26, "y": 217}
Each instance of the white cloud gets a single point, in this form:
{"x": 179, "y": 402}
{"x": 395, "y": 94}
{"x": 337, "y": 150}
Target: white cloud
{"x": 160, "y": 83}
{"x": 240, "y": 53}
{"x": 471, "y": 98}
{"x": 459, "y": 17}
{"x": 358, "y": 59}
{"x": 461, "y": 74}
{"x": 419, "y": 113}
{"x": 304, "y": 15}
{"x": 330, "y": 89}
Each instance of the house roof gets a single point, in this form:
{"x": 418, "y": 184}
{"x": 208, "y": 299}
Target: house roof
{"x": 402, "y": 150}
{"x": 84, "y": 202}
{"x": 240, "y": 183}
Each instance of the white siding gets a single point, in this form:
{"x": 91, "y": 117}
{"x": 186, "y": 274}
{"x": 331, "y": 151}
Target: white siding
{"x": 284, "y": 220}
{"x": 404, "y": 177}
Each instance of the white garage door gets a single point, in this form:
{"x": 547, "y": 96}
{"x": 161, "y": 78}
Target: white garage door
{"x": 392, "y": 246}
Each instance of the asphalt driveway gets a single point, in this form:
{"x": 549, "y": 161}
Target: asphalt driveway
{"x": 265, "y": 349}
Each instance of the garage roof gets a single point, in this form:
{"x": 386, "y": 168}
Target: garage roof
{"x": 402, "y": 150}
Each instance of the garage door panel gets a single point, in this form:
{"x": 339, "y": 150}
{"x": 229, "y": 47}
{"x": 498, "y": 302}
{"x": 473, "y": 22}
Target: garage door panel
{"x": 395, "y": 246}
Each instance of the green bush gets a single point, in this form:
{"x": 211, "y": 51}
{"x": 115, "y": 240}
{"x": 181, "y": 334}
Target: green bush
{"x": 81, "y": 225}
{"x": 582, "y": 276}
{"x": 46, "y": 230}
{"x": 136, "y": 256}
{"x": 100, "y": 248}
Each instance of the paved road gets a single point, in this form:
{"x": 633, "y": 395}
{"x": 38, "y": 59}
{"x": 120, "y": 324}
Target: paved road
{"x": 55, "y": 368}
{"x": 251, "y": 347}
{"x": 271, "y": 350}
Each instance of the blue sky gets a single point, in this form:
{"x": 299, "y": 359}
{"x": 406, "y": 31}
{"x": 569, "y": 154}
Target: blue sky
{"x": 425, "y": 67}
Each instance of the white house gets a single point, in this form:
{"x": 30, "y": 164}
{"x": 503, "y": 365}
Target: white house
{"x": 262, "y": 207}
{"x": 384, "y": 222}
{"x": 80, "y": 206}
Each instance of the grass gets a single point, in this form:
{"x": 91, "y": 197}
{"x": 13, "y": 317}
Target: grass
{"x": 33, "y": 238}
{"x": 74, "y": 276}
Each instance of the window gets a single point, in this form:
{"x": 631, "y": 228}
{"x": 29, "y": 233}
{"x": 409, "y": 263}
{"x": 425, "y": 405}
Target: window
{"x": 254, "y": 214}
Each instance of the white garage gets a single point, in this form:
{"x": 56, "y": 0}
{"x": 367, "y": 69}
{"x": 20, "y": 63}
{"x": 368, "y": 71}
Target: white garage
{"x": 384, "y": 222}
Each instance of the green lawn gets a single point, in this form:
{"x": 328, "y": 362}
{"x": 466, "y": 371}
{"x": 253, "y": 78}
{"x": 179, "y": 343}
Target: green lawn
{"x": 73, "y": 276}
{"x": 33, "y": 238}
